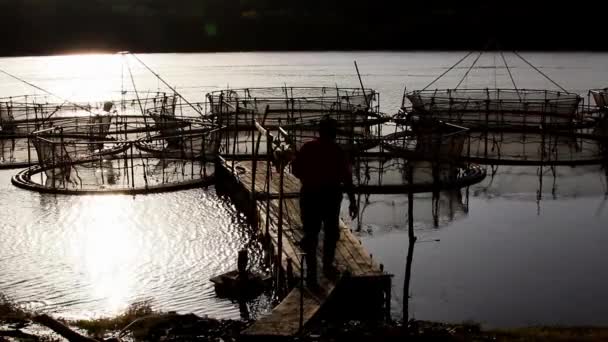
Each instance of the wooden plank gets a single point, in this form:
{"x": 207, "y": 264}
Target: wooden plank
{"x": 361, "y": 262}
{"x": 285, "y": 318}
{"x": 358, "y": 249}
{"x": 350, "y": 254}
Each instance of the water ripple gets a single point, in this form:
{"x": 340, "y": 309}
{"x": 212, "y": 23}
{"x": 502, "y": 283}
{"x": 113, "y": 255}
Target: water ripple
{"x": 86, "y": 256}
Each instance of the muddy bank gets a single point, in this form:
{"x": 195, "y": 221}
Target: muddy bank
{"x": 140, "y": 323}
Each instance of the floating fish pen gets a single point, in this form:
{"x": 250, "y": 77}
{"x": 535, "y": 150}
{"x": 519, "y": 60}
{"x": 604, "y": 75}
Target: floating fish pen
{"x": 425, "y": 139}
{"x": 21, "y": 115}
{"x": 600, "y": 97}
{"x": 120, "y": 157}
{"x": 496, "y": 108}
{"x": 120, "y": 119}
{"x": 436, "y": 140}
{"x": 535, "y": 148}
{"x": 297, "y": 111}
{"x": 418, "y": 157}
{"x": 398, "y": 175}
{"x": 198, "y": 140}
{"x": 287, "y": 106}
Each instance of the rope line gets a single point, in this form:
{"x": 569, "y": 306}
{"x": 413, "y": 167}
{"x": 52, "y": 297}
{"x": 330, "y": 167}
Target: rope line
{"x": 450, "y": 69}
{"x": 46, "y": 92}
{"x": 539, "y": 71}
{"x": 510, "y": 75}
{"x": 167, "y": 84}
{"x": 470, "y": 68}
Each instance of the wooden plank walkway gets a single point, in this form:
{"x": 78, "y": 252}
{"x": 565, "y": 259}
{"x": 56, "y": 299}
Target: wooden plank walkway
{"x": 351, "y": 258}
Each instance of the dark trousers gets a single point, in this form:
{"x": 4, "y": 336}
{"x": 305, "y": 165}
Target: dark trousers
{"x": 320, "y": 207}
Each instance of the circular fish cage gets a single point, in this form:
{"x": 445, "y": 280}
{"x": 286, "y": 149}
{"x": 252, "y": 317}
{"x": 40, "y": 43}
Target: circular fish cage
{"x": 117, "y": 120}
{"x": 534, "y": 148}
{"x": 119, "y": 173}
{"x": 293, "y": 106}
{"x": 22, "y": 115}
{"x": 425, "y": 139}
{"x": 294, "y": 112}
{"x": 422, "y": 156}
{"x": 600, "y": 96}
{"x": 116, "y": 154}
{"x": 436, "y": 140}
{"x": 498, "y": 108}
{"x": 386, "y": 175}
{"x": 191, "y": 143}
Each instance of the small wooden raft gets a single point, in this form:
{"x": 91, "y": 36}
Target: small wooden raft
{"x": 351, "y": 258}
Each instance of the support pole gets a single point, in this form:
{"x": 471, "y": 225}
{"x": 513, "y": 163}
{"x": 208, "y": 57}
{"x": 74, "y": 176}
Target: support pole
{"x": 410, "y": 251}
{"x": 280, "y": 231}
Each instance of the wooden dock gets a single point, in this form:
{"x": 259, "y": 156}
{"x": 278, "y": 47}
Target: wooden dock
{"x": 362, "y": 276}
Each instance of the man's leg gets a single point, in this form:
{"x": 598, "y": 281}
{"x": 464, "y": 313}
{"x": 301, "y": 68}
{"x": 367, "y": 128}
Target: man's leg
{"x": 331, "y": 227}
{"x": 311, "y": 224}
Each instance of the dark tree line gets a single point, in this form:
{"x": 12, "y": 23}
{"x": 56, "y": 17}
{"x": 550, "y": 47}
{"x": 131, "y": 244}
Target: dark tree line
{"x": 57, "y": 26}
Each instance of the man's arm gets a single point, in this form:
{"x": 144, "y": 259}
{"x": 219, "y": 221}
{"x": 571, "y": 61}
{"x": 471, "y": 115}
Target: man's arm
{"x": 298, "y": 164}
{"x": 347, "y": 181}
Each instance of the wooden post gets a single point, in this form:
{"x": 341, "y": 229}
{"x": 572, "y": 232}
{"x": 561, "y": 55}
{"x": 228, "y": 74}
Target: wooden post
{"x": 53, "y": 163}
{"x": 280, "y": 229}
{"x": 410, "y": 250}
{"x": 254, "y": 164}
{"x": 268, "y": 180}
{"x": 255, "y": 147}
{"x": 132, "y": 168}
{"x": 387, "y": 299}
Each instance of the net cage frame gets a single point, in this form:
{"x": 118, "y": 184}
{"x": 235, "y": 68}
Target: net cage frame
{"x": 427, "y": 150}
{"x": 390, "y": 174}
{"x": 553, "y": 147}
{"x": 199, "y": 141}
{"x": 496, "y": 107}
{"x": 600, "y": 98}
{"x": 437, "y": 173}
{"x": 61, "y": 148}
{"x": 293, "y": 105}
{"x": 125, "y": 111}
{"x": 23, "y": 114}
{"x": 425, "y": 139}
{"x": 585, "y": 147}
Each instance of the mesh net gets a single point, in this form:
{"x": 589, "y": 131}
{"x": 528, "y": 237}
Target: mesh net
{"x": 600, "y": 97}
{"x": 123, "y": 173}
{"x": 187, "y": 143}
{"x": 536, "y": 148}
{"x": 426, "y": 139}
{"x": 290, "y": 105}
{"x": 503, "y": 106}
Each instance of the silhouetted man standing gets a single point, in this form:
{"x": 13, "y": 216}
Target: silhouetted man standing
{"x": 324, "y": 171}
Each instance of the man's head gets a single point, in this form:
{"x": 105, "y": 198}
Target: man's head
{"x": 328, "y": 128}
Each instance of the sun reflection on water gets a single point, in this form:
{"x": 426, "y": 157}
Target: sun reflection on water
{"x": 103, "y": 247}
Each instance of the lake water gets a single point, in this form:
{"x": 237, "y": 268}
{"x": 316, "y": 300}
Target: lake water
{"x": 524, "y": 247}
